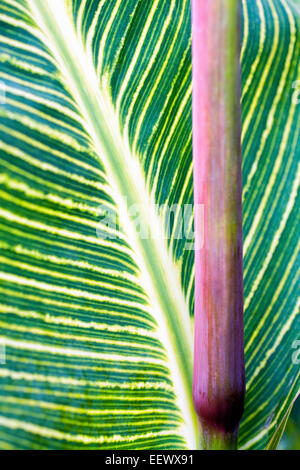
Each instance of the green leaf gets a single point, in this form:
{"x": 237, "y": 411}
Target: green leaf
{"x": 270, "y": 70}
{"x": 96, "y": 107}
{"x": 291, "y": 436}
{"x": 274, "y": 442}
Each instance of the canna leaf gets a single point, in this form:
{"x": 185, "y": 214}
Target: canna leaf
{"x": 270, "y": 60}
{"x": 95, "y": 118}
{"x": 276, "y": 438}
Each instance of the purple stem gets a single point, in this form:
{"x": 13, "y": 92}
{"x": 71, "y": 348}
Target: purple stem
{"x": 219, "y": 372}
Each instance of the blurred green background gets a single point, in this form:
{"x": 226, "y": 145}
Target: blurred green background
{"x": 291, "y": 438}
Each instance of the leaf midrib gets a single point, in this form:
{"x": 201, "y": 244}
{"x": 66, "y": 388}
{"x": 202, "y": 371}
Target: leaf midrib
{"x": 161, "y": 280}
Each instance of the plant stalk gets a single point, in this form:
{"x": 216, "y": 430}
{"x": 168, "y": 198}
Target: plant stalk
{"x": 219, "y": 371}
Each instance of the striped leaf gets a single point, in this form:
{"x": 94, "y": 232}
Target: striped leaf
{"x": 270, "y": 137}
{"x": 95, "y": 119}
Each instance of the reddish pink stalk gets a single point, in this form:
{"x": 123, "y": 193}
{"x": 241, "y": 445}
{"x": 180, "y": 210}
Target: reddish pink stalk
{"x": 219, "y": 377}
